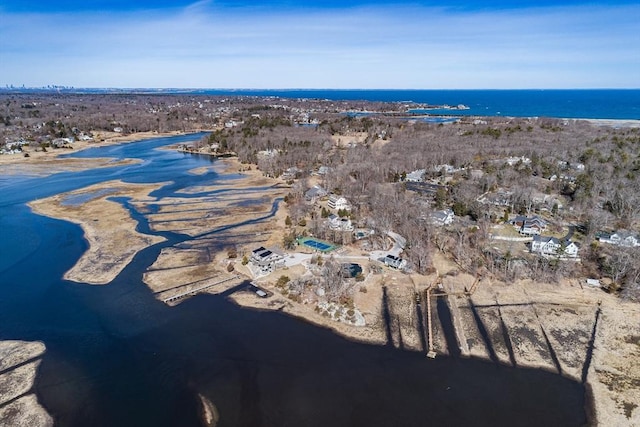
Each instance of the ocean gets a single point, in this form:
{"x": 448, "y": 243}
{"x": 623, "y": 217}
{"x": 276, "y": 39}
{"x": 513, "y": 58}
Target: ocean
{"x": 622, "y": 104}
{"x": 619, "y": 104}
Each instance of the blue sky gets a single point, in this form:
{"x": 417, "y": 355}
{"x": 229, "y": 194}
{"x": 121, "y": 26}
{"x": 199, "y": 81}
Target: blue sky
{"x": 323, "y": 44}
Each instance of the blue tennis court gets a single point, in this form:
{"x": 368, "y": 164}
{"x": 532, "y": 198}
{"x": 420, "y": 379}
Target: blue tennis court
{"x": 316, "y": 244}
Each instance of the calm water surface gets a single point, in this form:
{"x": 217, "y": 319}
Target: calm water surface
{"x": 118, "y": 357}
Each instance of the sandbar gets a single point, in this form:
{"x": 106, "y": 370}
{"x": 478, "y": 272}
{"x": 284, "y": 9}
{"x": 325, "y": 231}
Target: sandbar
{"x": 108, "y": 227}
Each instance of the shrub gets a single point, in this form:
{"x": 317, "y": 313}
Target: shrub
{"x": 282, "y": 280}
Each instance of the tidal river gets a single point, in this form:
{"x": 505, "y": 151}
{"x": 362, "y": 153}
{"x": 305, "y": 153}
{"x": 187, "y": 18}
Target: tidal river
{"x": 116, "y": 356}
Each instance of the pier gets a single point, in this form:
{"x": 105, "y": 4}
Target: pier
{"x": 202, "y": 288}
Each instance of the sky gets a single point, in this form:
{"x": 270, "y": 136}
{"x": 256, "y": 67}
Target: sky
{"x": 340, "y": 44}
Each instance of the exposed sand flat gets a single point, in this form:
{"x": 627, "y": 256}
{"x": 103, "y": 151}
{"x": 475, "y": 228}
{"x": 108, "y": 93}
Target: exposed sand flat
{"x": 614, "y": 374}
{"x": 19, "y": 407}
{"x": 44, "y": 166}
{"x": 108, "y": 226}
{"x": 547, "y": 321}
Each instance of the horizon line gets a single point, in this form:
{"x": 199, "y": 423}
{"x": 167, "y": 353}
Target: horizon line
{"x": 9, "y": 87}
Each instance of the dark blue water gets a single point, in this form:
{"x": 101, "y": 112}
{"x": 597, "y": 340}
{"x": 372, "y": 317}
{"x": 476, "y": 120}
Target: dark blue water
{"x": 561, "y": 103}
{"x": 118, "y": 357}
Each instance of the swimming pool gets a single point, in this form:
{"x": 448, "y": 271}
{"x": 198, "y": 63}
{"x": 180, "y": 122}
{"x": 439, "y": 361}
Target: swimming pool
{"x": 316, "y": 244}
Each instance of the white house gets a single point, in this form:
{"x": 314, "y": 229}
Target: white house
{"x": 441, "y": 218}
{"x": 551, "y": 246}
{"x": 338, "y": 203}
{"x": 337, "y": 223}
{"x": 266, "y": 260}
{"x": 394, "y": 261}
{"x": 415, "y": 176}
{"x": 620, "y": 238}
{"x": 511, "y": 161}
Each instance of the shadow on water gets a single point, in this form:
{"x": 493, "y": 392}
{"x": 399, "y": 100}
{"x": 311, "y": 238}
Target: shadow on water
{"x": 116, "y": 356}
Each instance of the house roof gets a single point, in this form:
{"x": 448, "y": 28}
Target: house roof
{"x": 315, "y": 191}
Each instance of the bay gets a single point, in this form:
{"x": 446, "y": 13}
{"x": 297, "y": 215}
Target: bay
{"x": 116, "y": 356}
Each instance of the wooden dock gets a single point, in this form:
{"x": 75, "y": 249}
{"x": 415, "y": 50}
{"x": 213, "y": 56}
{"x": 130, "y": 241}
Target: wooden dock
{"x": 197, "y": 290}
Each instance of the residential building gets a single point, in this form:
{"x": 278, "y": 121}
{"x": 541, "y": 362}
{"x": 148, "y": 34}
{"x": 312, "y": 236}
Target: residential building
{"x": 512, "y": 161}
{"x": 314, "y": 193}
{"x": 441, "y": 218}
{"x": 338, "y": 203}
{"x": 291, "y": 173}
{"x": 395, "y": 262}
{"x": 266, "y": 260}
{"x": 415, "y": 176}
{"x": 337, "y": 223}
{"x": 529, "y": 226}
{"x": 551, "y": 246}
{"x": 620, "y": 238}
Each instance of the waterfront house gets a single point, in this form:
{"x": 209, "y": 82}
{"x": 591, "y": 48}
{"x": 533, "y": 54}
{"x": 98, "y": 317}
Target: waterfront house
{"x": 394, "y": 262}
{"x": 266, "y": 260}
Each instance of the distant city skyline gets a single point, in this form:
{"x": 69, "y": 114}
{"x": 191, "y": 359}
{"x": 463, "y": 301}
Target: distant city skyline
{"x": 332, "y": 44}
